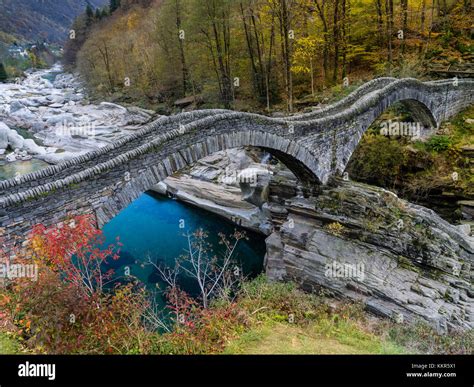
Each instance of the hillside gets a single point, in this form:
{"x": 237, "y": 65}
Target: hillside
{"x": 45, "y": 19}
{"x": 332, "y": 46}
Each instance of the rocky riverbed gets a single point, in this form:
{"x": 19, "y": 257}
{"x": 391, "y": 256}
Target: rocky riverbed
{"x": 47, "y": 116}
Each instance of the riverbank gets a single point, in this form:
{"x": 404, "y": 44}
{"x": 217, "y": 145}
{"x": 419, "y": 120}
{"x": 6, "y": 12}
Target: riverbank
{"x": 278, "y": 318}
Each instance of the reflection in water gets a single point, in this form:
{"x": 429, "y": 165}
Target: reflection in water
{"x": 9, "y": 170}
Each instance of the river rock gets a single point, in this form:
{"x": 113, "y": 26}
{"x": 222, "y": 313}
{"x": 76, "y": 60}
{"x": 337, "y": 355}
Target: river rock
{"x": 64, "y": 118}
{"x": 11, "y": 157}
{"x": 31, "y": 147}
{"x": 15, "y": 106}
{"x": 56, "y": 105}
{"x": 255, "y": 185}
{"x": 15, "y": 140}
{"x": 4, "y": 131}
{"x": 24, "y": 115}
{"x": 112, "y": 106}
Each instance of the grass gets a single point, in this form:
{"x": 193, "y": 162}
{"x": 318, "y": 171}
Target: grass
{"x": 325, "y": 326}
{"x": 284, "y": 338}
{"x": 285, "y": 320}
{"x": 8, "y": 346}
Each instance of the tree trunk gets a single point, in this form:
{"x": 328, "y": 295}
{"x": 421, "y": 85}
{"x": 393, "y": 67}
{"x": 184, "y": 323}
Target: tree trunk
{"x": 269, "y": 64}
{"x": 404, "y": 4}
{"x": 221, "y": 37}
{"x": 248, "y": 39}
{"x": 184, "y": 69}
{"x": 335, "y": 33}
{"x": 284, "y": 16}
{"x": 345, "y": 12}
{"x": 422, "y": 22}
{"x": 322, "y": 16}
{"x": 378, "y": 5}
{"x": 389, "y": 13}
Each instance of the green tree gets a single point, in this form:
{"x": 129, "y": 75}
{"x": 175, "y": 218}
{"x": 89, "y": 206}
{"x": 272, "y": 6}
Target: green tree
{"x": 114, "y": 5}
{"x": 89, "y": 12}
{"x": 3, "y": 73}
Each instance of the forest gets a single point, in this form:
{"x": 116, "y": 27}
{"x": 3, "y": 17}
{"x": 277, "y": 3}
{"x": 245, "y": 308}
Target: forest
{"x": 262, "y": 54}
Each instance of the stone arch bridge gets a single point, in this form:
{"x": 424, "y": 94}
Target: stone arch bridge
{"x": 315, "y": 146}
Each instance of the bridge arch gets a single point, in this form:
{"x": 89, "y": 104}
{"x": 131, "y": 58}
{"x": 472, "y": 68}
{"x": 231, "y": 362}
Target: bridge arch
{"x": 427, "y": 109}
{"x": 291, "y": 153}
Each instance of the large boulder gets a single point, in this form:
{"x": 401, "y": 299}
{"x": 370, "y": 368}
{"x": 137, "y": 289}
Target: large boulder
{"x": 32, "y": 148}
{"x": 4, "y": 130}
{"x": 15, "y": 140}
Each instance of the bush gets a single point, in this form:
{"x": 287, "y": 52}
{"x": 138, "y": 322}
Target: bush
{"x": 378, "y": 160}
{"x": 439, "y": 143}
{"x": 203, "y": 330}
{"x": 420, "y": 337}
{"x": 67, "y": 309}
{"x": 264, "y": 299}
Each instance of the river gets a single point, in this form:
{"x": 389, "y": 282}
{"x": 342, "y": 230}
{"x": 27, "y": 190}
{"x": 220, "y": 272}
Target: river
{"x": 150, "y": 228}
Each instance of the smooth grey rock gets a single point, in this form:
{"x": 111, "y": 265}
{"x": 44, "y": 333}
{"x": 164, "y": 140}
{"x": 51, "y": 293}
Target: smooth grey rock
{"x": 24, "y": 115}
{"x": 4, "y": 131}
{"x": 15, "y": 140}
{"x": 15, "y": 106}
{"x": 419, "y": 268}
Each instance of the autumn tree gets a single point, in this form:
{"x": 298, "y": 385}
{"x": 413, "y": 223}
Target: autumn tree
{"x": 216, "y": 276}
{"x": 250, "y": 53}
{"x": 284, "y": 13}
{"x": 215, "y": 28}
{"x": 258, "y": 21}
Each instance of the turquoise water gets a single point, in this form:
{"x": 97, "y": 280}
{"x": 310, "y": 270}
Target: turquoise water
{"x": 150, "y": 227}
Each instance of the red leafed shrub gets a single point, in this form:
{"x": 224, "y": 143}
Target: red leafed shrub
{"x": 75, "y": 249}
{"x": 68, "y": 309}
{"x": 199, "y": 330}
